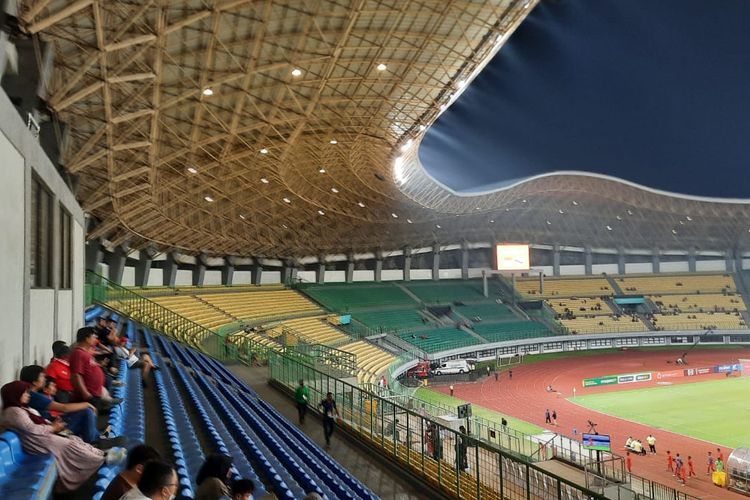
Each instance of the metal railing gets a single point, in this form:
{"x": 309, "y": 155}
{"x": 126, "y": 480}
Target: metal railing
{"x": 453, "y": 462}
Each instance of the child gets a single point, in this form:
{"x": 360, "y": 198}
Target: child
{"x": 670, "y": 462}
{"x": 50, "y": 390}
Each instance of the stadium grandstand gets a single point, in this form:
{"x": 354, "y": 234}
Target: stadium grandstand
{"x": 206, "y": 202}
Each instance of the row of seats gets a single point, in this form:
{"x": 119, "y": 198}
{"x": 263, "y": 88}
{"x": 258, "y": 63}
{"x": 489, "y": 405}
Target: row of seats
{"x": 447, "y": 291}
{"x": 351, "y": 297}
{"x": 511, "y": 330}
{"x": 682, "y": 283}
{"x": 440, "y": 339}
{"x": 390, "y": 319}
{"x": 312, "y": 330}
{"x": 700, "y": 302}
{"x": 371, "y": 360}
{"x": 566, "y": 287}
{"x": 23, "y": 475}
{"x": 603, "y": 324}
{"x": 699, "y": 321}
{"x": 485, "y": 311}
{"x": 576, "y": 305}
{"x": 254, "y": 305}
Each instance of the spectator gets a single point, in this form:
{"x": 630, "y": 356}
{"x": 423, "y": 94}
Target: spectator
{"x": 330, "y": 413}
{"x": 59, "y": 369}
{"x": 76, "y": 461}
{"x": 143, "y": 362}
{"x": 242, "y": 489}
{"x": 302, "y": 398}
{"x": 86, "y": 374}
{"x": 158, "y": 482}
{"x": 80, "y": 418}
{"x": 129, "y": 478}
{"x": 437, "y": 445}
{"x": 462, "y": 448}
{"x": 213, "y": 477}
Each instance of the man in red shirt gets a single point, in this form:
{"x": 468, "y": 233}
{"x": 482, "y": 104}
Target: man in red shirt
{"x": 59, "y": 370}
{"x": 86, "y": 374}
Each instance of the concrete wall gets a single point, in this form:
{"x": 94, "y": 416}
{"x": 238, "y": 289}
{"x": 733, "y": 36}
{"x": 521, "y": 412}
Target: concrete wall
{"x": 33, "y": 317}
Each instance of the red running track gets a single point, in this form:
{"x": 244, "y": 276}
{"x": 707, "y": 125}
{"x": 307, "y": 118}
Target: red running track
{"x": 525, "y": 397}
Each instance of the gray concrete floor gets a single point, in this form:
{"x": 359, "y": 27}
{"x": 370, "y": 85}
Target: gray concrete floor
{"x": 385, "y": 481}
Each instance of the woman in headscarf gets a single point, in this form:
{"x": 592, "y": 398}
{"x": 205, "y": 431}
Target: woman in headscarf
{"x": 213, "y": 477}
{"x": 76, "y": 461}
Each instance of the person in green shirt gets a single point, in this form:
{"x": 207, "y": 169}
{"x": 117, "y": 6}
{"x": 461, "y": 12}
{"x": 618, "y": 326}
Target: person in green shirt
{"x": 302, "y": 397}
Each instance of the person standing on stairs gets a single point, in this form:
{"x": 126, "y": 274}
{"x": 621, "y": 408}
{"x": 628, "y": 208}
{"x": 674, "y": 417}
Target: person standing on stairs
{"x": 302, "y": 397}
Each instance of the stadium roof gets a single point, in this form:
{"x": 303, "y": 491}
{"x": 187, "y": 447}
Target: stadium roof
{"x": 271, "y": 128}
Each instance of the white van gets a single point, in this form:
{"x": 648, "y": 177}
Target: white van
{"x": 452, "y": 367}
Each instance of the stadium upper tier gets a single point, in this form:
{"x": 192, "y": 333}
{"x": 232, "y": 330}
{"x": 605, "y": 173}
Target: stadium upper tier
{"x": 604, "y": 324}
{"x": 699, "y": 321}
{"x": 512, "y": 330}
{"x": 700, "y": 302}
{"x": 391, "y": 319}
{"x": 254, "y": 305}
{"x": 680, "y": 283}
{"x": 440, "y": 339}
{"x": 451, "y": 291}
{"x": 488, "y": 311}
{"x": 359, "y": 296}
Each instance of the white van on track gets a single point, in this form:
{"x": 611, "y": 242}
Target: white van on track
{"x": 452, "y": 367}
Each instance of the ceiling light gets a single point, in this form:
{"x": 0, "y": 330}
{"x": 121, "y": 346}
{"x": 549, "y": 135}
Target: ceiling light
{"x": 333, "y": 141}
{"x": 286, "y": 200}
{"x": 208, "y": 199}
{"x": 689, "y": 218}
{"x": 492, "y": 222}
{"x": 618, "y": 218}
{"x": 321, "y": 212}
{"x": 264, "y": 180}
{"x": 409, "y": 221}
{"x": 461, "y": 83}
{"x": 561, "y": 211}
{"x": 322, "y": 170}
{"x": 630, "y": 213}
{"x": 438, "y": 226}
{"x": 296, "y": 72}
{"x": 192, "y": 170}
{"x": 208, "y": 92}
{"x": 362, "y": 205}
{"x": 395, "y": 216}
{"x": 422, "y": 128}
{"x": 264, "y": 151}
{"x": 549, "y": 223}
{"x": 477, "y": 208}
{"x": 682, "y": 223}
{"x": 284, "y": 226}
{"x": 334, "y": 190}
{"x": 674, "y": 231}
{"x": 242, "y": 217}
{"x": 523, "y": 201}
{"x": 609, "y": 228}
{"x": 575, "y": 203}
{"x": 382, "y": 67}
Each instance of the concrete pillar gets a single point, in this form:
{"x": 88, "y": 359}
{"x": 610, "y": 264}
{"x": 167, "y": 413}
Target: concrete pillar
{"x": 143, "y": 268}
{"x": 620, "y": 260}
{"x": 587, "y": 261}
{"x": 199, "y": 271}
{"x": 464, "y": 261}
{"x": 556, "y": 260}
{"x": 349, "y": 274}
{"x": 738, "y": 260}
{"x": 378, "y": 267}
{"x": 655, "y": 261}
{"x": 691, "y": 260}
{"x": 541, "y": 283}
{"x": 407, "y": 264}
{"x": 436, "y": 262}
{"x": 320, "y": 273}
{"x": 729, "y": 257}
{"x": 256, "y": 273}
{"x": 289, "y": 272}
{"x": 94, "y": 254}
{"x": 117, "y": 264}
{"x": 485, "y": 292}
{"x": 227, "y": 272}
{"x": 169, "y": 274}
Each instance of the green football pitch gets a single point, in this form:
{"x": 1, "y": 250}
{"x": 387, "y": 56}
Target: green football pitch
{"x": 715, "y": 411}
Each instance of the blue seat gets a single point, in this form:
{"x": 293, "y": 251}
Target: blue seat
{"x": 23, "y": 475}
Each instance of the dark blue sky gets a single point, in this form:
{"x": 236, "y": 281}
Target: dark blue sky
{"x": 653, "y": 91}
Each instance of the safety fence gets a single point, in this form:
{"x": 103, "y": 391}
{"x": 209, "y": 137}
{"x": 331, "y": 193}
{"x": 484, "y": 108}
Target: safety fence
{"x": 453, "y": 461}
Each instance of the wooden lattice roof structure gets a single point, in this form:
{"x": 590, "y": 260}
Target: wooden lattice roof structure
{"x": 272, "y": 128}
{"x": 286, "y": 113}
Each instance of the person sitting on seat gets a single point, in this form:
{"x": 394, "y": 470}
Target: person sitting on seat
{"x": 59, "y": 370}
{"x": 134, "y": 362}
{"x": 76, "y": 461}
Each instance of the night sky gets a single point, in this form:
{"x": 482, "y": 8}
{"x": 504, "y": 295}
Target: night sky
{"x": 652, "y": 91}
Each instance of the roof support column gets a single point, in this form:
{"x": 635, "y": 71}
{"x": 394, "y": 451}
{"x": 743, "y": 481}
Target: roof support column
{"x": 464, "y": 260}
{"x": 620, "y": 260}
{"x": 256, "y": 273}
{"x": 320, "y": 272}
{"x": 349, "y": 274}
{"x": 556, "y": 260}
{"x": 587, "y": 261}
{"x": 655, "y": 261}
{"x": 691, "y": 260}
{"x": 738, "y": 264}
{"x": 117, "y": 264}
{"x": 407, "y": 264}
{"x": 199, "y": 271}
{"x": 436, "y": 262}
{"x": 378, "y": 266}
{"x": 169, "y": 275}
{"x": 94, "y": 254}
{"x": 143, "y": 267}
{"x": 729, "y": 257}
{"x": 289, "y": 272}
{"x": 227, "y": 272}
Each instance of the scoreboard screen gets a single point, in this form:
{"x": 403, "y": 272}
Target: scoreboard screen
{"x": 512, "y": 257}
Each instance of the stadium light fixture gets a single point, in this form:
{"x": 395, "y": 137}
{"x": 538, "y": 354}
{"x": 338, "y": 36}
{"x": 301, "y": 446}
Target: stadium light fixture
{"x": 618, "y": 217}
{"x": 264, "y": 180}
{"x": 609, "y": 228}
{"x": 321, "y": 212}
{"x": 333, "y": 141}
{"x": 410, "y": 222}
{"x": 322, "y": 170}
{"x": 460, "y": 84}
{"x": 575, "y": 203}
{"x": 334, "y": 190}
{"x": 286, "y": 200}
{"x": 208, "y": 92}
{"x": 263, "y": 151}
{"x": 284, "y": 226}
{"x": 689, "y": 218}
{"x": 208, "y": 199}
{"x": 394, "y": 215}
{"x": 242, "y": 217}
{"x": 674, "y": 231}
{"x": 422, "y": 128}
{"x": 192, "y": 170}
{"x": 549, "y": 223}
{"x": 561, "y": 211}
{"x": 361, "y": 205}
{"x": 296, "y": 72}
{"x": 398, "y": 170}
{"x": 492, "y": 221}
{"x": 630, "y": 212}
{"x": 406, "y": 146}
{"x": 438, "y": 226}
{"x": 382, "y": 67}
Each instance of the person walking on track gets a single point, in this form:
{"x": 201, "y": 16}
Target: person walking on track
{"x": 547, "y": 417}
{"x": 554, "y": 417}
